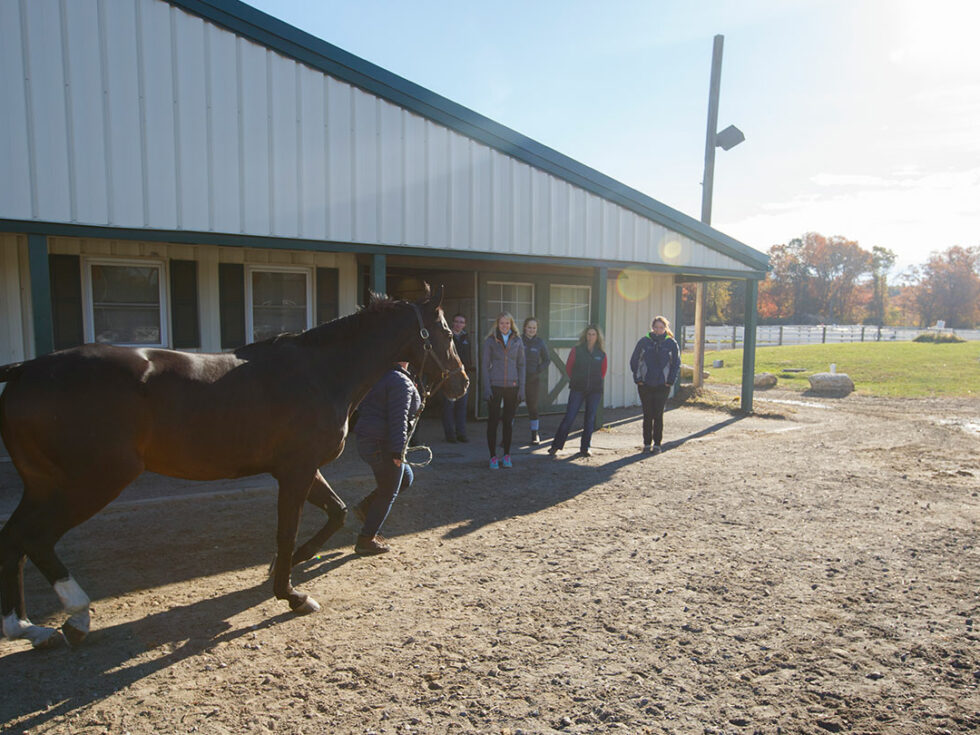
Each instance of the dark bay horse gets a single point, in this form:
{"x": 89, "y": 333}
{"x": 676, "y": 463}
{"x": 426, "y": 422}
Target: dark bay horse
{"x": 83, "y": 423}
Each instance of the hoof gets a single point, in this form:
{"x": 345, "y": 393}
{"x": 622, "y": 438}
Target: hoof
{"x": 73, "y": 635}
{"x": 306, "y": 606}
{"x": 46, "y": 638}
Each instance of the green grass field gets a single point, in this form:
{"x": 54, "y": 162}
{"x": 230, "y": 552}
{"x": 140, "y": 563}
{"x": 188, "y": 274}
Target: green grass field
{"x": 894, "y": 369}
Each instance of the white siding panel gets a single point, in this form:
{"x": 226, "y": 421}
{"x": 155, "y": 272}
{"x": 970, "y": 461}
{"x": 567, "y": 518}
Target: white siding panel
{"x": 194, "y": 187}
{"x": 15, "y": 164}
{"x": 437, "y": 212}
{"x": 523, "y": 240}
{"x": 340, "y": 156}
{"x": 225, "y": 131}
{"x": 49, "y": 121}
{"x": 578, "y": 231}
{"x": 392, "y": 172}
{"x": 124, "y": 136}
{"x": 540, "y": 212}
{"x": 367, "y": 179}
{"x": 460, "y": 192}
{"x": 502, "y": 221}
{"x": 560, "y": 216}
{"x": 313, "y": 153}
{"x": 415, "y": 181}
{"x": 255, "y": 139}
{"x": 283, "y": 112}
{"x": 89, "y": 183}
{"x": 157, "y": 87}
{"x": 482, "y": 163}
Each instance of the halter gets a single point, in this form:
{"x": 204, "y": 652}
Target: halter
{"x": 424, "y": 392}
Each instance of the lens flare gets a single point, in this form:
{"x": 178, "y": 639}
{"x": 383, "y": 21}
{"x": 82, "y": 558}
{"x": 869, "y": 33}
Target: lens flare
{"x": 633, "y": 284}
{"x": 670, "y": 251}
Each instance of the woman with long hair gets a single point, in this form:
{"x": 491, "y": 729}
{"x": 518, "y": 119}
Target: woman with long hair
{"x": 537, "y": 359}
{"x": 655, "y": 363}
{"x": 586, "y": 368}
{"x": 502, "y": 374}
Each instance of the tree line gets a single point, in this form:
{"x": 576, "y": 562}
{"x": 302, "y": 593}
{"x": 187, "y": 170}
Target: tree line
{"x": 815, "y": 279}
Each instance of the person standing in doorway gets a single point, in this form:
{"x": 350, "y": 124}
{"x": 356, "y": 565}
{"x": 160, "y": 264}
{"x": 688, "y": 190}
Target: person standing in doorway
{"x": 655, "y": 363}
{"x": 586, "y": 368}
{"x": 385, "y": 419}
{"x": 536, "y": 359}
{"x": 454, "y": 410}
{"x": 502, "y": 376}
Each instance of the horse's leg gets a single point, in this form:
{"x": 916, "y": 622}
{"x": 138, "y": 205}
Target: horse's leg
{"x": 322, "y": 496}
{"x": 17, "y": 541}
{"x": 293, "y": 490}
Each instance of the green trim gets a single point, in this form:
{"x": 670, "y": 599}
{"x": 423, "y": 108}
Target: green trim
{"x": 312, "y": 51}
{"x": 379, "y": 276}
{"x": 748, "y": 345}
{"x": 194, "y": 237}
{"x": 37, "y": 253}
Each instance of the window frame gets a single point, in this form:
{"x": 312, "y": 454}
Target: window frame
{"x": 250, "y": 269}
{"x": 88, "y": 297}
{"x": 551, "y": 302}
{"x": 491, "y": 318}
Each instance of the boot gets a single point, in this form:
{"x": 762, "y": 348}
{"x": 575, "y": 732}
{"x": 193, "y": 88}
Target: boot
{"x": 535, "y": 439}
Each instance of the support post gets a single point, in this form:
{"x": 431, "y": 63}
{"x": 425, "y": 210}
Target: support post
{"x": 748, "y": 344}
{"x": 599, "y": 300}
{"x": 697, "y": 377}
{"x": 37, "y": 254}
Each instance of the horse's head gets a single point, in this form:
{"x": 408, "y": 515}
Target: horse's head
{"x": 434, "y": 353}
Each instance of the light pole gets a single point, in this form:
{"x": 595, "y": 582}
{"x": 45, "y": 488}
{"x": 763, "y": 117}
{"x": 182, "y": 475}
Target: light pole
{"x": 726, "y": 139}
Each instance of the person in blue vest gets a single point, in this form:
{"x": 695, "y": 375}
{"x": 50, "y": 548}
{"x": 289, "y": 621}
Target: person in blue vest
{"x": 454, "y": 410}
{"x": 385, "y": 418}
{"x": 586, "y": 367}
{"x": 655, "y": 363}
{"x": 502, "y": 376}
{"x": 536, "y": 362}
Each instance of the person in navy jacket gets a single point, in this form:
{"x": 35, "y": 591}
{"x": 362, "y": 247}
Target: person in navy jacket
{"x": 586, "y": 368}
{"x": 655, "y": 363}
{"x": 536, "y": 362}
{"x": 454, "y": 410}
{"x": 385, "y": 418}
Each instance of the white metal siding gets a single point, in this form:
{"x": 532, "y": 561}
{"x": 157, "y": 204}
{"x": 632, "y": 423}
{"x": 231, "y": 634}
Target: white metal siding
{"x": 137, "y": 114}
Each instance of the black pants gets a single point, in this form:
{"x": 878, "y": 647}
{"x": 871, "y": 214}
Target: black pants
{"x": 653, "y": 398}
{"x": 509, "y": 398}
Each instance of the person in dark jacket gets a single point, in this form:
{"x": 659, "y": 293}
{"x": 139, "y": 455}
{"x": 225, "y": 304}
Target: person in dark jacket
{"x": 536, "y": 362}
{"x": 655, "y": 363}
{"x": 454, "y": 411}
{"x": 586, "y": 368}
{"x": 385, "y": 418}
{"x": 502, "y": 376}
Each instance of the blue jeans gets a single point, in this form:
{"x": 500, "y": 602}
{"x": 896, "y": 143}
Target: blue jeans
{"x": 575, "y": 400}
{"x": 390, "y": 480}
{"x": 454, "y": 416}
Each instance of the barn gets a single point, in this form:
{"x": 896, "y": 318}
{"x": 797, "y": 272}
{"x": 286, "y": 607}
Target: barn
{"x": 196, "y": 174}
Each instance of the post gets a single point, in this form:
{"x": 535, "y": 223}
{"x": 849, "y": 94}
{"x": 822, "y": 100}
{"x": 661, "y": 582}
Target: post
{"x": 599, "y": 299}
{"x": 37, "y": 256}
{"x": 780, "y": 335}
{"x": 707, "y": 183}
{"x": 748, "y": 344}
{"x": 379, "y": 278}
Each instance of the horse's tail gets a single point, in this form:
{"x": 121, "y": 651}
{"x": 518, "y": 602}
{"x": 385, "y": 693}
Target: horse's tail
{"x": 11, "y": 371}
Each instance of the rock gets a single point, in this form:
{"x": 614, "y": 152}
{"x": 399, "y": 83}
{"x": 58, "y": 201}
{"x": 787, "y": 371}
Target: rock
{"x": 836, "y": 383}
{"x": 687, "y": 372}
{"x": 765, "y": 380}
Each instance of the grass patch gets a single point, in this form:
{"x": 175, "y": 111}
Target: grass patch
{"x": 893, "y": 369}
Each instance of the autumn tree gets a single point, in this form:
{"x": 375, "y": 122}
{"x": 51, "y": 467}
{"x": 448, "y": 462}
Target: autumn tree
{"x": 947, "y": 288}
{"x": 882, "y": 260}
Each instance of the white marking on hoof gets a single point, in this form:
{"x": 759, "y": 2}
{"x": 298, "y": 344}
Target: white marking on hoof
{"x": 81, "y": 622}
{"x": 14, "y": 627}
{"x": 44, "y": 637}
{"x": 310, "y": 606}
{"x": 73, "y": 597}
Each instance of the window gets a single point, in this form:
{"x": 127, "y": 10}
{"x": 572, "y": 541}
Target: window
{"x": 570, "y": 312}
{"x": 515, "y": 298}
{"x": 279, "y": 301}
{"x": 125, "y": 303}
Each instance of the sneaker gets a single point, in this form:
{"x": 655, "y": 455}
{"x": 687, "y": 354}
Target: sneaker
{"x": 585, "y": 452}
{"x": 535, "y": 439}
{"x": 494, "y": 464}
{"x": 370, "y": 546}
{"x": 647, "y": 447}
{"x": 505, "y": 462}
{"x": 462, "y": 439}
{"x": 657, "y": 449}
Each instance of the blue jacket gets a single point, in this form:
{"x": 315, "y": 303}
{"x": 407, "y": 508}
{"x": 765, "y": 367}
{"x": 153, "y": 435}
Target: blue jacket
{"x": 662, "y": 358}
{"x": 536, "y": 356}
{"x": 387, "y": 409}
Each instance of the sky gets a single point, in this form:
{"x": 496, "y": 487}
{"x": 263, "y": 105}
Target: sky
{"x": 861, "y": 117}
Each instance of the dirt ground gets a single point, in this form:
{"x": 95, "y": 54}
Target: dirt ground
{"x": 807, "y": 574}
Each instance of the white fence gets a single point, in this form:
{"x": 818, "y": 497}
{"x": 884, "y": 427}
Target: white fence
{"x": 732, "y": 337}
